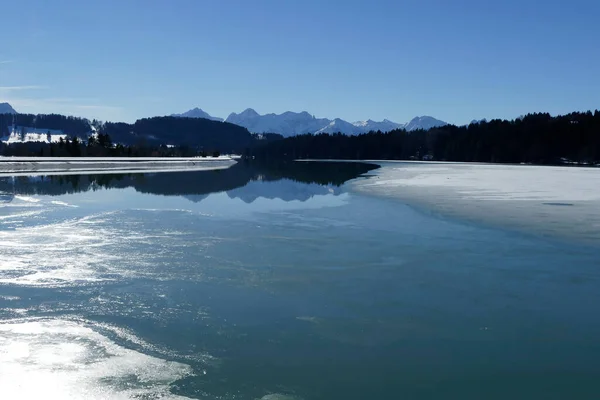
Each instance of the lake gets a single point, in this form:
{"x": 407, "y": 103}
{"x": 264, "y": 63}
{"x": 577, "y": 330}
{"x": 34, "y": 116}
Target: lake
{"x": 282, "y": 282}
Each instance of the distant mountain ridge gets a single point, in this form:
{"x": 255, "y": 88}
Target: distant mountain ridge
{"x": 6, "y": 108}
{"x": 425, "y": 122}
{"x": 292, "y": 123}
{"x": 197, "y": 113}
{"x": 287, "y": 124}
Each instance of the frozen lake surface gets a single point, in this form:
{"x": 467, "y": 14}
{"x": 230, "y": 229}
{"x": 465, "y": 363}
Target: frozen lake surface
{"x": 94, "y": 165}
{"x": 287, "y": 283}
{"x": 552, "y": 201}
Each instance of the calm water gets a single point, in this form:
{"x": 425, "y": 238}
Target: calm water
{"x": 278, "y": 283}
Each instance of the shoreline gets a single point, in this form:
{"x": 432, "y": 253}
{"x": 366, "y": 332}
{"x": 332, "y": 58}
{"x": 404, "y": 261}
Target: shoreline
{"x": 550, "y": 202}
{"x": 434, "y": 162}
{"x": 56, "y": 165}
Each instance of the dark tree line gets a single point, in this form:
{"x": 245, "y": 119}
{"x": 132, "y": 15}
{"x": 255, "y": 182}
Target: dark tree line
{"x": 185, "y": 183}
{"x": 100, "y": 145}
{"x": 202, "y": 134}
{"x": 149, "y": 135}
{"x": 535, "y": 138}
{"x": 322, "y": 173}
{"x": 71, "y": 126}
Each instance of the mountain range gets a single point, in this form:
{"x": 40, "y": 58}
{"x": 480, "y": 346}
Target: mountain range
{"x": 291, "y": 123}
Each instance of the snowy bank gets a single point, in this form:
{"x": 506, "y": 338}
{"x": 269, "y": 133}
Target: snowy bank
{"x": 24, "y": 134}
{"x": 33, "y": 165}
{"x": 551, "y": 201}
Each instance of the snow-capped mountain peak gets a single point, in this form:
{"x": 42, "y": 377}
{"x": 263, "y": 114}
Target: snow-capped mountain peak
{"x": 288, "y": 124}
{"x": 292, "y": 123}
{"x": 369, "y": 125}
{"x": 363, "y": 123}
{"x": 339, "y": 126}
{"x": 424, "y": 122}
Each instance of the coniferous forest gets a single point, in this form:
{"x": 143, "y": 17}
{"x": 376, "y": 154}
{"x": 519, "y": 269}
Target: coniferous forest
{"x": 71, "y": 126}
{"x": 156, "y": 137}
{"x": 535, "y": 138}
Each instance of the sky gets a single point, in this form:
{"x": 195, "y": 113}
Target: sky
{"x": 120, "y": 60}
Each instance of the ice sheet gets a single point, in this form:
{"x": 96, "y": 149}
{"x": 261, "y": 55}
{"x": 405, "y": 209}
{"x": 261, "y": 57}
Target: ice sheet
{"x": 68, "y": 359}
{"x": 554, "y": 201}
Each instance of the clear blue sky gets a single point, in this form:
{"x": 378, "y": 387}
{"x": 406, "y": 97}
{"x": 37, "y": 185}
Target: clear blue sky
{"x": 454, "y": 60}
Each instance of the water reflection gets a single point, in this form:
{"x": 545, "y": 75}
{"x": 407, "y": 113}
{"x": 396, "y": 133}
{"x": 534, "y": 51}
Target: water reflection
{"x": 245, "y": 180}
{"x": 150, "y": 291}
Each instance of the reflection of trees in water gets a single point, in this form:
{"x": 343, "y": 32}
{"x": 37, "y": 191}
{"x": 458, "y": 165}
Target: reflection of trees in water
{"x": 55, "y": 185}
{"x": 6, "y": 197}
{"x": 322, "y": 173}
{"x": 196, "y": 183}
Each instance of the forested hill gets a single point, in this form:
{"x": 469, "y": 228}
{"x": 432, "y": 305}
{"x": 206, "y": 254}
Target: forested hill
{"x": 536, "y": 138}
{"x": 71, "y": 126}
{"x": 195, "y": 132}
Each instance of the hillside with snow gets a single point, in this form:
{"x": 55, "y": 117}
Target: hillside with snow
{"x": 22, "y": 134}
{"x": 339, "y": 125}
{"x": 384, "y": 126}
{"x": 424, "y": 122}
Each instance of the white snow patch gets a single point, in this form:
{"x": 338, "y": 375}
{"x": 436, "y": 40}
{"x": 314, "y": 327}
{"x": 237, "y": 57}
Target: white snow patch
{"x": 497, "y": 182}
{"x": 19, "y": 134}
{"x": 555, "y": 201}
{"x": 27, "y": 199}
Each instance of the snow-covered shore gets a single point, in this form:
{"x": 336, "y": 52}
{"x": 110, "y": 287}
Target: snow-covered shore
{"x": 29, "y": 165}
{"x": 549, "y": 201}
